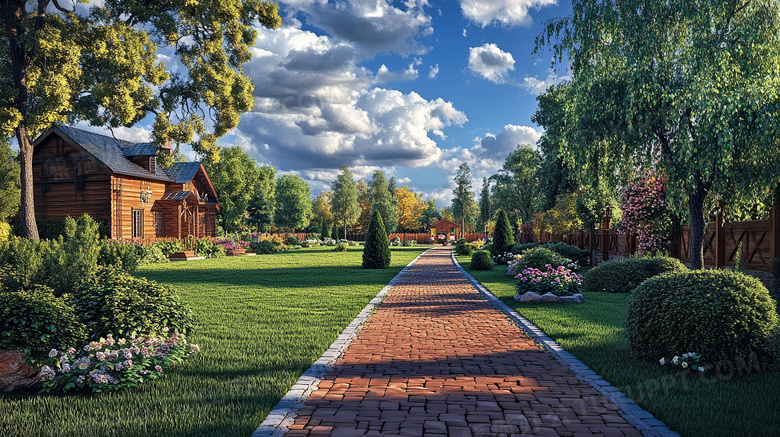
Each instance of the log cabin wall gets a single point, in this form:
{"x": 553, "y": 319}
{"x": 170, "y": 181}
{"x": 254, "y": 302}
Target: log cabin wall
{"x": 69, "y": 182}
{"x": 126, "y": 198}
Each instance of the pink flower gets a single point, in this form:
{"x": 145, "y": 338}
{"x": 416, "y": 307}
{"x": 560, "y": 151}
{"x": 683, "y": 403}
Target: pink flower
{"x": 158, "y": 368}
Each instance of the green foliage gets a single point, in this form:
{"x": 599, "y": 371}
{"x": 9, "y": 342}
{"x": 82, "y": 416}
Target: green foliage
{"x": 262, "y": 247}
{"x": 234, "y": 176}
{"x": 149, "y": 254}
{"x": 464, "y": 208}
{"x": 334, "y": 232}
{"x": 503, "y": 237}
{"x": 344, "y": 203}
{"x": 624, "y": 275}
{"x": 463, "y": 247}
{"x": 516, "y": 188}
{"x": 119, "y": 255}
{"x": 481, "y": 260}
{"x": 293, "y": 202}
{"x": 566, "y": 250}
{"x": 539, "y": 257}
{"x": 32, "y": 318}
{"x": 382, "y": 199}
{"x": 260, "y": 211}
{"x": 485, "y": 208}
{"x": 169, "y": 247}
{"x": 719, "y": 314}
{"x": 10, "y": 185}
{"x": 205, "y": 247}
{"x": 113, "y": 302}
{"x": 292, "y": 240}
{"x": 686, "y": 88}
{"x": 341, "y": 247}
{"x": 376, "y": 254}
{"x": 324, "y": 230}
{"x": 5, "y": 231}
{"x": 522, "y": 247}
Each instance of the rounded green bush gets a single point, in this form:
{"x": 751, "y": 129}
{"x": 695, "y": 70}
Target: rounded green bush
{"x": 522, "y": 247}
{"x": 33, "y": 318}
{"x": 463, "y": 247}
{"x": 539, "y": 257}
{"x": 624, "y": 275}
{"x": 566, "y": 250}
{"x": 116, "y": 303}
{"x": 292, "y": 240}
{"x": 719, "y": 314}
{"x": 481, "y": 260}
{"x": 341, "y": 247}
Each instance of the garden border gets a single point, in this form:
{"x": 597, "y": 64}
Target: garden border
{"x": 628, "y": 409}
{"x": 284, "y": 412}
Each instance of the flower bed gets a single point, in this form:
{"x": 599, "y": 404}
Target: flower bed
{"x": 548, "y": 285}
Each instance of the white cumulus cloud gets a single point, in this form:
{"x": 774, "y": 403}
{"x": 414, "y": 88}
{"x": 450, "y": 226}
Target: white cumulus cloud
{"x": 491, "y": 62}
{"x": 433, "y": 71}
{"x": 502, "y": 12}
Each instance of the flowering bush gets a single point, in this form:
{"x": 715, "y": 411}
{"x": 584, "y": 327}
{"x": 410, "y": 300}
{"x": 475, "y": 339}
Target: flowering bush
{"x": 688, "y": 360}
{"x": 538, "y": 258}
{"x": 111, "y": 364}
{"x": 503, "y": 259}
{"x": 645, "y": 212}
{"x": 559, "y": 281}
{"x": 229, "y": 244}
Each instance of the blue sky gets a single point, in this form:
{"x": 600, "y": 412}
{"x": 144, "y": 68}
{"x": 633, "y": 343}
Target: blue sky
{"x": 411, "y": 87}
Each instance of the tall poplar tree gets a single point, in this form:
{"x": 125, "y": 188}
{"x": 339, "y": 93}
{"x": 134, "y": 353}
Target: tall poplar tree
{"x": 464, "y": 207}
{"x": 484, "y": 206}
{"x": 344, "y": 203}
{"x": 64, "y": 63}
{"x": 383, "y": 200}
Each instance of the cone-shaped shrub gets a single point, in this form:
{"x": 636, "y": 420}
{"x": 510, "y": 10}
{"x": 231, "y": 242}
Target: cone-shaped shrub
{"x": 503, "y": 239}
{"x": 324, "y": 231}
{"x": 376, "y": 254}
{"x": 334, "y": 233}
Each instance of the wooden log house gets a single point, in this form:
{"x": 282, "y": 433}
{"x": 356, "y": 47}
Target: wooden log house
{"x": 78, "y": 172}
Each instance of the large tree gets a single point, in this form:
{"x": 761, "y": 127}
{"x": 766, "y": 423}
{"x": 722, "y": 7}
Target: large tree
{"x": 263, "y": 201}
{"x": 485, "y": 210}
{"x": 293, "y": 202}
{"x": 364, "y": 202}
{"x": 464, "y": 207}
{"x": 410, "y": 209}
{"x": 516, "y": 189}
{"x": 344, "y": 202}
{"x": 62, "y": 62}
{"x": 690, "y": 87}
{"x": 9, "y": 182}
{"x": 234, "y": 176}
{"x": 321, "y": 208}
{"x": 383, "y": 200}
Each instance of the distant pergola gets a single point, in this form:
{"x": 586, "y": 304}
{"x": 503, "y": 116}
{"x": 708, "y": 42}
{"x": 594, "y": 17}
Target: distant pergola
{"x": 446, "y": 227}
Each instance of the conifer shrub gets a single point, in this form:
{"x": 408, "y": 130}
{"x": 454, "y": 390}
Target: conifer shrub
{"x": 503, "y": 238}
{"x": 324, "y": 230}
{"x": 623, "y": 275}
{"x": 720, "y": 314}
{"x": 334, "y": 232}
{"x": 376, "y": 254}
{"x": 481, "y": 260}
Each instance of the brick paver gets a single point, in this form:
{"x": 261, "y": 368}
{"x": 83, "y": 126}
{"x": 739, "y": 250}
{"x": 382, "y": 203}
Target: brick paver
{"x": 436, "y": 359}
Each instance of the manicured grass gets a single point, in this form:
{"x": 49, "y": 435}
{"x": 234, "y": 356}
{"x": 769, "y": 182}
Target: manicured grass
{"x": 261, "y": 322}
{"x": 689, "y": 404}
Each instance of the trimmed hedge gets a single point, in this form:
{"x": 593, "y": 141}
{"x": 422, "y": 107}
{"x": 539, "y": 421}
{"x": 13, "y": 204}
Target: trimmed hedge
{"x": 722, "y": 315}
{"x": 481, "y": 260}
{"x": 624, "y": 275}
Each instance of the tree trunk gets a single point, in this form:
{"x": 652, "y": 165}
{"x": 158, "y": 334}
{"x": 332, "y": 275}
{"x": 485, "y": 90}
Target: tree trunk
{"x": 27, "y": 207}
{"x": 696, "y": 208}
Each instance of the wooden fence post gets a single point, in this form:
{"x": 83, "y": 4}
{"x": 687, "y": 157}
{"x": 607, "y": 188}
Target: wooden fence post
{"x": 774, "y": 227}
{"x": 720, "y": 240}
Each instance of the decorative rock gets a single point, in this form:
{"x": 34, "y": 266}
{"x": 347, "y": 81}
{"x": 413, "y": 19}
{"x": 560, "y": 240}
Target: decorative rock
{"x": 528, "y": 297}
{"x": 547, "y": 298}
{"x": 15, "y": 373}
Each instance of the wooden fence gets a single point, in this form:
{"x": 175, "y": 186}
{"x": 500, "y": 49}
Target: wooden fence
{"x": 760, "y": 242}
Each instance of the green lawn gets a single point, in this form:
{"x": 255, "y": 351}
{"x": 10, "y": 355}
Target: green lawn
{"x": 690, "y": 405}
{"x": 261, "y": 322}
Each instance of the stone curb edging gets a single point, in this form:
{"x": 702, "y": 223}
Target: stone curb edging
{"x": 284, "y": 412}
{"x": 628, "y": 409}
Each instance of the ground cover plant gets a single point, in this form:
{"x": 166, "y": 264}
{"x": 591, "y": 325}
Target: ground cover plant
{"x": 692, "y": 404}
{"x": 260, "y": 322}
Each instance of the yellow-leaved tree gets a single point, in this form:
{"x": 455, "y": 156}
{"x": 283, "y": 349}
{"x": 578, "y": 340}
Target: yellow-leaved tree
{"x": 411, "y": 208}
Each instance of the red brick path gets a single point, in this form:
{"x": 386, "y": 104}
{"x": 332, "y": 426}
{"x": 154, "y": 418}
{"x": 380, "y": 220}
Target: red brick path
{"x": 436, "y": 359}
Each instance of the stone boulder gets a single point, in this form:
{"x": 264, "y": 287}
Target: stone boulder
{"x": 15, "y": 373}
{"x": 547, "y": 298}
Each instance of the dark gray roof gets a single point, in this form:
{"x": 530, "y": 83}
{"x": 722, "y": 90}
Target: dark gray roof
{"x": 182, "y": 172}
{"x": 176, "y": 195}
{"x": 110, "y": 151}
{"x": 140, "y": 149}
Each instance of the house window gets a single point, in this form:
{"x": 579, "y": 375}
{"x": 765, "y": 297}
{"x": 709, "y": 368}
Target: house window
{"x": 157, "y": 216}
{"x": 138, "y": 223}
{"x": 452, "y": 230}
